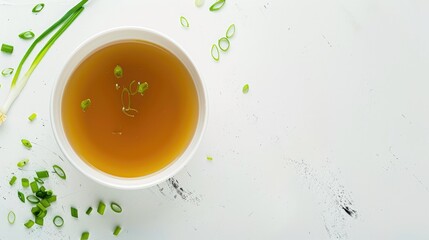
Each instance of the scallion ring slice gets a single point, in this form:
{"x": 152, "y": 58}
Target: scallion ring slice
{"x": 224, "y": 44}
{"x": 26, "y": 35}
{"x": 58, "y": 221}
{"x": 33, "y": 199}
{"x": 11, "y": 217}
{"x": 215, "y": 52}
{"x": 7, "y": 72}
{"x": 85, "y": 104}
{"x": 115, "y": 207}
{"x": 25, "y": 182}
{"x": 42, "y": 174}
{"x": 217, "y": 5}
{"x": 199, "y": 3}
{"x": 184, "y": 22}
{"x": 231, "y": 31}
{"x": 38, "y": 7}
{"x": 59, "y": 171}
{"x": 32, "y": 117}
{"x": 21, "y": 196}
{"x": 74, "y": 212}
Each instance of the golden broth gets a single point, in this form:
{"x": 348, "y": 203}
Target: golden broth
{"x": 158, "y": 133}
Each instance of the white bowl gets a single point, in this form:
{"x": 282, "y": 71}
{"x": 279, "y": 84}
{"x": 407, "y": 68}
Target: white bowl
{"x": 87, "y": 48}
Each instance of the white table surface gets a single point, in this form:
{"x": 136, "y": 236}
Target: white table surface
{"x": 337, "y": 117}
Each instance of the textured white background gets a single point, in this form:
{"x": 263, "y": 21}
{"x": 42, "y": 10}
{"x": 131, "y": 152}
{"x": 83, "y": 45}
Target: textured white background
{"x": 336, "y": 116}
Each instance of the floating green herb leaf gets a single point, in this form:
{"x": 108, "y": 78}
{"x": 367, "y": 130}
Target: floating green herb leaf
{"x": 184, "y": 22}
{"x": 38, "y": 7}
{"x": 26, "y": 35}
{"x": 85, "y": 104}
{"x": 142, "y": 88}
{"x": 217, "y": 5}
{"x": 118, "y": 71}
{"x": 7, "y": 72}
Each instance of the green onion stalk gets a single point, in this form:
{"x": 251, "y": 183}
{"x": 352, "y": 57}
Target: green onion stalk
{"x": 17, "y": 85}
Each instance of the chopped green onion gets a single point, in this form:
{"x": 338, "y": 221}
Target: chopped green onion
{"x": 199, "y": 3}
{"x": 209, "y": 158}
{"x": 32, "y": 116}
{"x": 21, "y": 196}
{"x": 26, "y": 35}
{"x": 22, "y": 163}
{"x": 6, "y": 72}
{"x": 115, "y": 207}
{"x": 74, "y": 212}
{"x": 42, "y": 174}
{"x": 34, "y": 187}
{"x": 29, "y": 223}
{"x": 35, "y": 210}
{"x": 59, "y": 171}
{"x": 117, "y": 230}
{"x": 38, "y": 7}
{"x": 39, "y": 221}
{"x": 118, "y": 71}
{"x": 33, "y": 199}
{"x": 49, "y": 193}
{"x": 223, "y": 44}
{"x": 231, "y": 31}
{"x": 88, "y": 211}
{"x": 25, "y": 183}
{"x": 85, "y": 236}
{"x": 26, "y": 143}
{"x": 85, "y": 104}
{"x": 142, "y": 88}
{"x": 6, "y": 48}
{"x": 41, "y": 207}
{"x": 184, "y": 22}
{"x": 12, "y": 180}
{"x": 246, "y": 88}
{"x": 101, "y": 208}
{"x": 41, "y": 194}
{"x": 45, "y": 203}
{"x": 11, "y": 217}
{"x": 39, "y": 180}
{"x": 217, "y": 5}
{"x": 52, "y": 198}
{"x": 215, "y": 52}
{"x": 17, "y": 86}
{"x": 58, "y": 221}
{"x": 42, "y": 214}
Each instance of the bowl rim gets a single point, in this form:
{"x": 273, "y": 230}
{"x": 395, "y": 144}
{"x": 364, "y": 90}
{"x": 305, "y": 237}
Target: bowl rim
{"x": 76, "y": 57}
